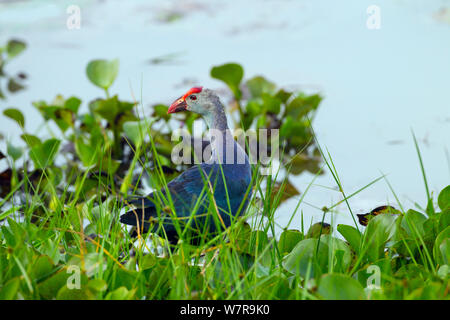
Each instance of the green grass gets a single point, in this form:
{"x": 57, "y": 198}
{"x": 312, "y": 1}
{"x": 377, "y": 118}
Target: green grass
{"x": 60, "y": 237}
{"x": 41, "y": 246}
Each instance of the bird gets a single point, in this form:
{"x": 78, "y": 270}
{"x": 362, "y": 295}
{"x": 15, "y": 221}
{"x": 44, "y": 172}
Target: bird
{"x": 208, "y": 195}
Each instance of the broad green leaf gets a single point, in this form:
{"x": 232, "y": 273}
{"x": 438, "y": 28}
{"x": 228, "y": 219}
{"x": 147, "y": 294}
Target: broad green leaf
{"x": 72, "y": 104}
{"x": 339, "y": 253}
{"x": 31, "y": 140}
{"x": 98, "y": 285}
{"x": 102, "y": 73}
{"x": 16, "y": 115}
{"x": 318, "y": 229}
{"x": 444, "y": 198}
{"x": 148, "y": 261}
{"x": 137, "y": 130}
{"x": 441, "y": 249}
{"x": 86, "y": 152}
{"x": 307, "y": 259}
{"x": 413, "y": 222}
{"x": 271, "y": 104}
{"x": 14, "y": 152}
{"x": 15, "y": 47}
{"x": 352, "y": 235}
{"x": 43, "y": 155}
{"x": 121, "y": 293}
{"x": 231, "y": 74}
{"x": 380, "y": 229}
{"x": 9, "y": 289}
{"x": 288, "y": 240}
{"x": 257, "y": 85}
{"x": 340, "y": 287}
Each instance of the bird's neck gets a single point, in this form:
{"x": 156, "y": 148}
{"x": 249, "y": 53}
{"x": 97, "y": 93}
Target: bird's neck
{"x": 224, "y": 148}
{"x": 217, "y": 120}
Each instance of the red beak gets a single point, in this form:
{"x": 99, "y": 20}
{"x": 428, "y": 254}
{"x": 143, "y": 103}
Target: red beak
{"x": 177, "y": 106}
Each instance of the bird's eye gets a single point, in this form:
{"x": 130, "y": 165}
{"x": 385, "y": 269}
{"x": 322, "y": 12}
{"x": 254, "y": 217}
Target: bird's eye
{"x": 193, "y": 97}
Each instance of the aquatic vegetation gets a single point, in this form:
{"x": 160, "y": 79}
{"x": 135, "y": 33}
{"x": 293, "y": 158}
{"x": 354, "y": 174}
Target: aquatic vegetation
{"x": 61, "y": 197}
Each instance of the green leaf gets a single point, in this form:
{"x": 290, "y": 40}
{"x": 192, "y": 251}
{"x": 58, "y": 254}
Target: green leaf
{"x": 14, "y": 152}
{"x": 318, "y": 229}
{"x": 15, "y": 47}
{"x": 85, "y": 152}
{"x": 231, "y": 74}
{"x": 444, "y": 198}
{"x": 302, "y": 105}
{"x": 30, "y": 140}
{"x": 72, "y": 104}
{"x": 413, "y": 222}
{"x": 441, "y": 249}
{"x": 380, "y": 229}
{"x": 160, "y": 111}
{"x": 148, "y": 261}
{"x": 98, "y": 285}
{"x": 306, "y": 260}
{"x": 288, "y": 240}
{"x": 16, "y": 115}
{"x": 43, "y": 155}
{"x": 271, "y": 104}
{"x": 102, "y": 73}
{"x": 121, "y": 293}
{"x": 340, "y": 287}
{"x": 258, "y": 85}
{"x": 9, "y": 289}
{"x": 137, "y": 130}
{"x": 352, "y": 235}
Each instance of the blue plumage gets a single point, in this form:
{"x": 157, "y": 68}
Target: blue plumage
{"x": 191, "y": 192}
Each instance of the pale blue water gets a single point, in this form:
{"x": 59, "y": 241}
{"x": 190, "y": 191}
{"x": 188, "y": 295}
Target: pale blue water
{"x": 378, "y": 84}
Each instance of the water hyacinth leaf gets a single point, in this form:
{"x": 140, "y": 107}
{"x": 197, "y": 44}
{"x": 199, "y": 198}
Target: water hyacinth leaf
{"x": 340, "y": 287}
{"x": 136, "y": 131}
{"x": 379, "y": 230}
{"x": 307, "y": 258}
{"x": 14, "y": 152}
{"x": 302, "y": 105}
{"x": 42, "y": 267}
{"x": 413, "y": 223}
{"x": 352, "y": 235}
{"x": 10, "y": 289}
{"x": 102, "y": 73}
{"x": 85, "y": 152}
{"x": 283, "y": 95}
{"x": 288, "y": 240}
{"x": 441, "y": 249}
{"x": 340, "y": 254}
{"x": 44, "y": 154}
{"x": 444, "y": 220}
{"x": 444, "y": 198}
{"x": 318, "y": 229}
{"x": 49, "y": 288}
{"x": 72, "y": 104}
{"x": 231, "y": 74}
{"x": 160, "y": 111}
{"x": 271, "y": 104}
{"x": 121, "y": 293}
{"x": 258, "y": 85}
{"x": 14, "y": 47}
{"x": 98, "y": 285}
{"x": 31, "y": 140}
{"x": 148, "y": 261}
{"x": 16, "y": 115}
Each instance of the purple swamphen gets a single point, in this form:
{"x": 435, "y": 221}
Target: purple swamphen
{"x": 208, "y": 195}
